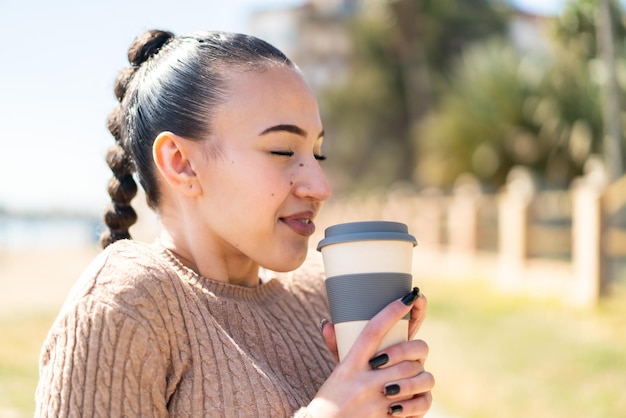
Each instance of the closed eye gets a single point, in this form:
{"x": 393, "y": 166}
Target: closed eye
{"x": 318, "y": 157}
{"x": 282, "y": 153}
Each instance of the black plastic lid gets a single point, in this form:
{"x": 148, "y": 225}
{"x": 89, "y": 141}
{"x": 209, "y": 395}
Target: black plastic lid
{"x": 366, "y": 231}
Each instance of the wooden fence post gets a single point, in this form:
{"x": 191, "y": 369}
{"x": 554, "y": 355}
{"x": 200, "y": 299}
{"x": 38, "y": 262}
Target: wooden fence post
{"x": 513, "y": 226}
{"x": 427, "y": 221}
{"x": 587, "y": 245}
{"x": 462, "y": 216}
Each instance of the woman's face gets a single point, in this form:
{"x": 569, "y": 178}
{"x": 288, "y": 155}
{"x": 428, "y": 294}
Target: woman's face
{"x": 264, "y": 186}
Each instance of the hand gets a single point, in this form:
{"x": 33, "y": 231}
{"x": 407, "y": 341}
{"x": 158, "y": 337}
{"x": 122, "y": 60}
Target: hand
{"x": 370, "y": 384}
{"x": 418, "y": 314}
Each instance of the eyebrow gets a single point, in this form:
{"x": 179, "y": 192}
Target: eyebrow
{"x": 288, "y": 128}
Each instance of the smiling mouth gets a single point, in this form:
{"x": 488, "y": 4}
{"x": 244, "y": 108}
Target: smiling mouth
{"x": 301, "y": 226}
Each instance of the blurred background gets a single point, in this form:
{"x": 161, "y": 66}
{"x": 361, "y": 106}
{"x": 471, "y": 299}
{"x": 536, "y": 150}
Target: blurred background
{"x": 493, "y": 128}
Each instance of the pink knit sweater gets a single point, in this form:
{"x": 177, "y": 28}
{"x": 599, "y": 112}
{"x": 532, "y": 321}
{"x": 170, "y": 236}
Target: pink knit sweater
{"x": 143, "y": 336}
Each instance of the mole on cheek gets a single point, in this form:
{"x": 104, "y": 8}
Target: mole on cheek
{"x": 301, "y": 164}
{"x": 291, "y": 183}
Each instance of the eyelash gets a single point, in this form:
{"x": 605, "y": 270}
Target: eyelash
{"x": 318, "y": 157}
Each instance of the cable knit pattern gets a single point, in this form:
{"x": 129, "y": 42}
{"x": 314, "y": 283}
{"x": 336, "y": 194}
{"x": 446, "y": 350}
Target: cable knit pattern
{"x": 141, "y": 335}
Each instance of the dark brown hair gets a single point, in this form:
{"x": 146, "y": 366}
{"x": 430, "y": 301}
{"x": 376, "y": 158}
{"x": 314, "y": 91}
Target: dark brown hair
{"x": 174, "y": 83}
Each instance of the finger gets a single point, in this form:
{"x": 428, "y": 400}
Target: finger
{"x": 328, "y": 331}
{"x": 417, "y": 406}
{"x": 409, "y": 387}
{"x": 393, "y": 375}
{"x": 418, "y": 315}
{"x": 414, "y": 350}
{"x": 377, "y": 327}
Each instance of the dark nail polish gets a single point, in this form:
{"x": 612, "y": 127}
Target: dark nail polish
{"x": 392, "y": 389}
{"x": 395, "y": 409}
{"x": 410, "y": 298}
{"x": 378, "y": 361}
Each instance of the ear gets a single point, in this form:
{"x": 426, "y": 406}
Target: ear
{"x": 171, "y": 157}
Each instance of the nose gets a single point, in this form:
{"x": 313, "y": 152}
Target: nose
{"x": 312, "y": 182}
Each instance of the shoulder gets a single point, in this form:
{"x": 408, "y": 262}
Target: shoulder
{"x": 116, "y": 320}
{"x": 129, "y": 259}
{"x": 128, "y": 286}
{"x": 126, "y": 275}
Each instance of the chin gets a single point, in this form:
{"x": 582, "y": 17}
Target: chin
{"x": 289, "y": 260}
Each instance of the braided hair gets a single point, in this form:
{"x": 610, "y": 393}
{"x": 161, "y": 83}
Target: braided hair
{"x": 174, "y": 83}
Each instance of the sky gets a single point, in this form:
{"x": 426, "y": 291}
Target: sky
{"x": 58, "y": 62}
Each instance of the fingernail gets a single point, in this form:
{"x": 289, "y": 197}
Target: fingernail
{"x": 379, "y": 360}
{"x": 410, "y": 298}
{"x": 395, "y": 409}
{"x": 323, "y": 322}
{"x": 391, "y": 390}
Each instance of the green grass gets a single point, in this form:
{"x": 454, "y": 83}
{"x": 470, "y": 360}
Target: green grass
{"x": 493, "y": 356}
{"x": 499, "y": 356}
{"x": 22, "y": 338}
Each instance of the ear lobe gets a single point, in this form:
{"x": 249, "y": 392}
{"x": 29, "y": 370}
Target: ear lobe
{"x": 170, "y": 153}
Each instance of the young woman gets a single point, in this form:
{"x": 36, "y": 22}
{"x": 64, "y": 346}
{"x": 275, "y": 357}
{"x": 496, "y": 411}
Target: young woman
{"x": 225, "y": 138}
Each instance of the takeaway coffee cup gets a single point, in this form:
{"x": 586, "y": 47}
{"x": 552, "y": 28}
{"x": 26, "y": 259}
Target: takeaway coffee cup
{"x": 368, "y": 265}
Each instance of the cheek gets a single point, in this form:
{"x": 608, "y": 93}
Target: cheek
{"x": 257, "y": 183}
{"x": 279, "y": 189}
{"x": 275, "y": 183}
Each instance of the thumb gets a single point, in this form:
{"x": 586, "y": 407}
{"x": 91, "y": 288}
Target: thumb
{"x": 328, "y": 331}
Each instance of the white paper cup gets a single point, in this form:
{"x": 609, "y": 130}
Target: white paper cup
{"x": 352, "y": 257}
{"x": 349, "y": 331}
{"x": 368, "y": 265}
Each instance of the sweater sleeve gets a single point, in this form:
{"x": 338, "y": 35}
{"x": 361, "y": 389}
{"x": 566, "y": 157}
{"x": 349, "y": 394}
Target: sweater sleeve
{"x": 101, "y": 361}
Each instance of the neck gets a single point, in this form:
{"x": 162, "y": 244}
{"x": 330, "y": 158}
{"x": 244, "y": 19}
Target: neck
{"x": 209, "y": 263}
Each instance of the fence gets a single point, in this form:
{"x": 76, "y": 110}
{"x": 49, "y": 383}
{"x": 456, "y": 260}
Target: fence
{"x": 558, "y": 244}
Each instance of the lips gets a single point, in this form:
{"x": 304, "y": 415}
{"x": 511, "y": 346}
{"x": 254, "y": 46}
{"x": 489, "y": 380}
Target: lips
{"x": 300, "y": 223}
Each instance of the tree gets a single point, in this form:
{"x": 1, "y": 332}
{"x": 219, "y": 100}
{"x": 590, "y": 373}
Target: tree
{"x": 400, "y": 58}
{"x": 503, "y": 107}
{"x": 593, "y": 30}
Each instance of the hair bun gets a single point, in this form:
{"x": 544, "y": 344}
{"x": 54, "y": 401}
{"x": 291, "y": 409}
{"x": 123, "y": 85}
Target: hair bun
{"x": 121, "y": 82}
{"x": 146, "y": 45}
{"x": 114, "y": 123}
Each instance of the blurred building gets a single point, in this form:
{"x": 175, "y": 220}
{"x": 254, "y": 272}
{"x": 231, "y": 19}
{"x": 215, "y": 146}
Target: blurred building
{"x": 528, "y": 33}
{"x": 314, "y": 35}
